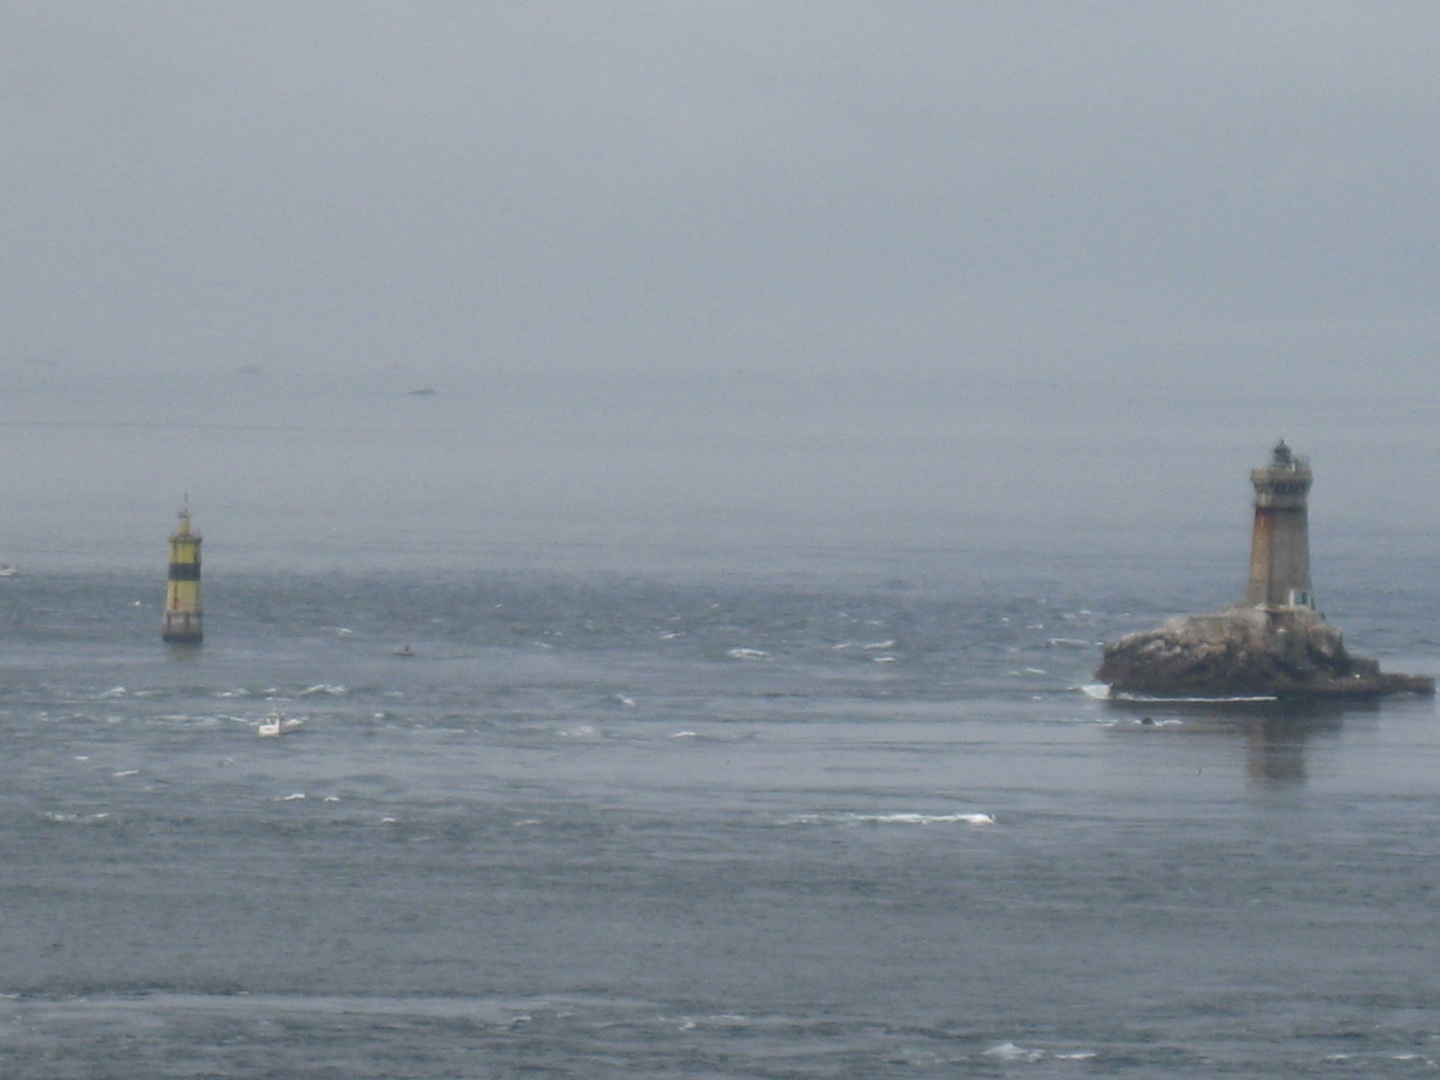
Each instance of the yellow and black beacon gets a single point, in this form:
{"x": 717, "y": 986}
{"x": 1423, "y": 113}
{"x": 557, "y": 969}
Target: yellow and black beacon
{"x": 183, "y": 612}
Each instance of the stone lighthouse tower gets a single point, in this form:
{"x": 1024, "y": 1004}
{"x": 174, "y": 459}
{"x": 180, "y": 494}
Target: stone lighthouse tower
{"x": 1280, "y": 545}
{"x": 183, "y": 613}
{"x": 1275, "y": 645}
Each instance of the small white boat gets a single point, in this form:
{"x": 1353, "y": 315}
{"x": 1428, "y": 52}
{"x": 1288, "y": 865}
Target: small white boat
{"x": 273, "y": 726}
{"x": 8, "y": 569}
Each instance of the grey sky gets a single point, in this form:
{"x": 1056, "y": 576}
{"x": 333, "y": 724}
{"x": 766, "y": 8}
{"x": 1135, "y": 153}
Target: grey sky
{"x": 761, "y": 273}
{"x": 1103, "y": 191}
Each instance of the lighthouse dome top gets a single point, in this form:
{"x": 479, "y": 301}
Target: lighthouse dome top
{"x": 183, "y": 532}
{"x": 1283, "y": 461}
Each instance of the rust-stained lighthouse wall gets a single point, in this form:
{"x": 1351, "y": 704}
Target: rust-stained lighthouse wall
{"x": 183, "y": 613}
{"x": 1280, "y": 545}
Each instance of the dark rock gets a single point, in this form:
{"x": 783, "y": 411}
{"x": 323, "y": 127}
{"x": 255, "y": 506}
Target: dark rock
{"x": 1247, "y": 652}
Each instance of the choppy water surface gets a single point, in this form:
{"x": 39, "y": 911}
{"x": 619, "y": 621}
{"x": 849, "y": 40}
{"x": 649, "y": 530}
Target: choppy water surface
{"x": 738, "y": 827}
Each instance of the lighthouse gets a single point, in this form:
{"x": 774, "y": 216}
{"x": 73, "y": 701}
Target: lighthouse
{"x": 182, "y": 592}
{"x": 1275, "y": 645}
{"x": 1280, "y": 544}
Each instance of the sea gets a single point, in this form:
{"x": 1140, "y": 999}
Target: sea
{"x": 654, "y": 735}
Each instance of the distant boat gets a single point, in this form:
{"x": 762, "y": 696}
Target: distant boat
{"x": 8, "y": 569}
{"x": 423, "y": 392}
{"x": 404, "y": 650}
{"x": 273, "y": 726}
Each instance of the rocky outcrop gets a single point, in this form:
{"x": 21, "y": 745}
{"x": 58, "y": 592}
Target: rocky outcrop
{"x": 1244, "y": 652}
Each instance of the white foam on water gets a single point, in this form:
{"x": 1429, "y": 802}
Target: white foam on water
{"x": 74, "y": 819}
{"x": 926, "y": 819}
{"x": 884, "y": 659}
{"x": 126, "y": 772}
{"x": 114, "y": 692}
{"x": 292, "y": 797}
{"x": 900, "y": 818}
{"x": 1008, "y": 1051}
{"x": 746, "y": 654}
{"x": 583, "y": 731}
{"x": 1078, "y": 1055}
{"x": 684, "y": 735}
{"x": 240, "y": 692}
{"x": 1231, "y": 700}
{"x": 888, "y": 644}
{"x": 188, "y": 718}
{"x": 1098, "y": 690}
{"x": 498, "y": 1012}
{"x": 323, "y": 688}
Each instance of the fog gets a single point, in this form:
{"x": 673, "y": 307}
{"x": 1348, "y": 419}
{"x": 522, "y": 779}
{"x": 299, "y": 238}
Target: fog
{"x": 751, "y": 277}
